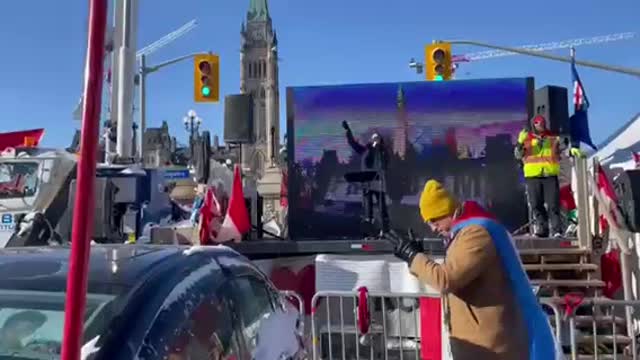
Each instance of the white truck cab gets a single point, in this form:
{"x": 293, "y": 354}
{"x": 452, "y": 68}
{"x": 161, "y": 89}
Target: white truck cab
{"x": 30, "y": 180}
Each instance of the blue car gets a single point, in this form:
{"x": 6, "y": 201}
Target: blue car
{"x": 147, "y": 302}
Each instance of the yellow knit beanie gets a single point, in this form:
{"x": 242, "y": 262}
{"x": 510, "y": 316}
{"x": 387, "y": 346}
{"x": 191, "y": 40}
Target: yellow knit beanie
{"x": 436, "y": 202}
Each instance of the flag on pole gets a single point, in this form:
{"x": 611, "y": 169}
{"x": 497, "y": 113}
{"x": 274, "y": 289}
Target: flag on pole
{"x": 610, "y": 215}
{"x": 209, "y": 213}
{"x": 579, "y": 120}
{"x": 236, "y": 222}
{"x": 610, "y": 218}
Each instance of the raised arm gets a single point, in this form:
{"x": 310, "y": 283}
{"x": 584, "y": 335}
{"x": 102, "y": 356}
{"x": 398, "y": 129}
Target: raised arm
{"x": 355, "y": 145}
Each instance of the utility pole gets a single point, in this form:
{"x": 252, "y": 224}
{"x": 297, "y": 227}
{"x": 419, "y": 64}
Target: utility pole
{"x": 143, "y": 109}
{"x": 566, "y": 59}
{"x": 125, "y": 38}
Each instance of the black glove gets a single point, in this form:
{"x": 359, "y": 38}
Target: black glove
{"x": 405, "y": 248}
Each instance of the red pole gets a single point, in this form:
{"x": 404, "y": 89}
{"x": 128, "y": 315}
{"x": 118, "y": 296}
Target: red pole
{"x": 84, "y": 198}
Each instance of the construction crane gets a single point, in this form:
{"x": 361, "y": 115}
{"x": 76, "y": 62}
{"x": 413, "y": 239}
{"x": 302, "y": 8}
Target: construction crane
{"x": 167, "y": 39}
{"x": 147, "y": 50}
{"x": 555, "y": 45}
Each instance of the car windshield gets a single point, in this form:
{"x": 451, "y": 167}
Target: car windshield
{"x": 18, "y": 179}
{"x": 31, "y": 323}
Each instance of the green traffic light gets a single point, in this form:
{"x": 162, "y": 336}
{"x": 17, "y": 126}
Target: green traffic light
{"x": 206, "y": 91}
{"x": 438, "y": 78}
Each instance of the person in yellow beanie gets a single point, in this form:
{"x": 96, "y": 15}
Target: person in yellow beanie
{"x": 484, "y": 320}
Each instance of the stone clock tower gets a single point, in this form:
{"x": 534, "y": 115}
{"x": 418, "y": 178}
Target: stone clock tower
{"x": 259, "y": 77}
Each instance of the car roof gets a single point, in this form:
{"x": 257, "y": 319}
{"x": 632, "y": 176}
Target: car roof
{"x": 113, "y": 269}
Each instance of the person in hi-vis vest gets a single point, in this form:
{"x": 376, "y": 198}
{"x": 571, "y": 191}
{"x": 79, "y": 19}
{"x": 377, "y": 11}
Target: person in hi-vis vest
{"x": 540, "y": 150}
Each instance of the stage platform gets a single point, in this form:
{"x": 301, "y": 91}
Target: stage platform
{"x": 268, "y": 247}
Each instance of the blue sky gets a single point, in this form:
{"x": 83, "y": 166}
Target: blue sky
{"x": 327, "y": 42}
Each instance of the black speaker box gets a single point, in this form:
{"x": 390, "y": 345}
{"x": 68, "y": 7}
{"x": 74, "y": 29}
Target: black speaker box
{"x": 627, "y": 186}
{"x": 552, "y": 103}
{"x": 202, "y": 157}
{"x": 238, "y": 118}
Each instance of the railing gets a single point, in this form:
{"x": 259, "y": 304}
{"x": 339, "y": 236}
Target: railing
{"x": 384, "y": 325}
{"x": 376, "y": 325}
{"x": 599, "y": 328}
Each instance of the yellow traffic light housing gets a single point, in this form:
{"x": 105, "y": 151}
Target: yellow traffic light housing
{"x": 206, "y": 78}
{"x": 438, "y": 61}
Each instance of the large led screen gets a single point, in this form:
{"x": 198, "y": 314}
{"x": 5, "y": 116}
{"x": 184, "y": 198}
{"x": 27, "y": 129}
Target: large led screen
{"x": 459, "y": 132}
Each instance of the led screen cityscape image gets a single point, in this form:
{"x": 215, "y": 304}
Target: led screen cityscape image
{"x": 459, "y": 132}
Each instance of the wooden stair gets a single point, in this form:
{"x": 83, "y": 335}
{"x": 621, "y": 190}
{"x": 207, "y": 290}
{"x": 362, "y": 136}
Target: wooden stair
{"x": 561, "y": 270}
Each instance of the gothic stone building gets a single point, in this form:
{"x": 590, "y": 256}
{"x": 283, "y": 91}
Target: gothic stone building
{"x": 259, "y": 77}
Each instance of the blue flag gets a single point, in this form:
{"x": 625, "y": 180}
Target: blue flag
{"x": 579, "y": 121}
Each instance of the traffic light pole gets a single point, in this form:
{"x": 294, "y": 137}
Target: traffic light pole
{"x": 143, "y": 72}
{"x": 566, "y": 59}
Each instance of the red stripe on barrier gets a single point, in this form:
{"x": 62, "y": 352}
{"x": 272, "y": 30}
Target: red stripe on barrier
{"x": 430, "y": 328}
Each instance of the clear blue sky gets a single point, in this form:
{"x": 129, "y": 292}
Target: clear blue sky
{"x": 320, "y": 42}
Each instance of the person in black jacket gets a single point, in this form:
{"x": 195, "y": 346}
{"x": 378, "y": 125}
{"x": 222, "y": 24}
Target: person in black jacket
{"x": 374, "y": 158}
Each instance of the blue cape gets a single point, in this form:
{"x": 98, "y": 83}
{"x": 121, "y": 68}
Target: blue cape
{"x": 542, "y": 345}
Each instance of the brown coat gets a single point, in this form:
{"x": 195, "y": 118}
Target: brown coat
{"x": 485, "y": 323}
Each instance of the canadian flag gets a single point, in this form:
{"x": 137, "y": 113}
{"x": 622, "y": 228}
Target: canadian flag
{"x": 607, "y": 199}
{"x": 610, "y": 218}
{"x": 610, "y": 215}
{"x": 236, "y": 223}
{"x": 210, "y": 215}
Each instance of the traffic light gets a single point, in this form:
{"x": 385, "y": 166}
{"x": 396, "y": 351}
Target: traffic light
{"x": 206, "y": 78}
{"x": 438, "y": 61}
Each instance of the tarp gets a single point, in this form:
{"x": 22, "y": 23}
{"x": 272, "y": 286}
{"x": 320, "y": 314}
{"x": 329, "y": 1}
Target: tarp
{"x": 20, "y": 138}
{"x": 620, "y": 146}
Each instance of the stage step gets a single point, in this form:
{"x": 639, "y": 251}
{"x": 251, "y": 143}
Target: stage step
{"x": 601, "y": 320}
{"x": 552, "y": 251}
{"x": 620, "y": 340}
{"x": 604, "y": 357}
{"x": 569, "y": 283}
{"x": 560, "y": 267}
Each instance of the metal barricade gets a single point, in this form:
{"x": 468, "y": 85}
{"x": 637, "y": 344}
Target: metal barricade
{"x": 392, "y": 325}
{"x": 557, "y": 322}
{"x": 598, "y": 329}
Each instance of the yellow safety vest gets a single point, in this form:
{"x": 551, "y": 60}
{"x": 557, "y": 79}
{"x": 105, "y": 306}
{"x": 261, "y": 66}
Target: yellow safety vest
{"x": 541, "y": 159}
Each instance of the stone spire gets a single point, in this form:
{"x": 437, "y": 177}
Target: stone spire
{"x": 258, "y": 11}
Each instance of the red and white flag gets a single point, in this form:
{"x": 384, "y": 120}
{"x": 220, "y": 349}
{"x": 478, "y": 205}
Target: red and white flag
{"x": 610, "y": 215}
{"x": 210, "y": 215}
{"x": 237, "y": 222}
{"x": 636, "y": 158}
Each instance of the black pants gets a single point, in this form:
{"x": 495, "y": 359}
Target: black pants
{"x": 541, "y": 191}
{"x": 380, "y": 200}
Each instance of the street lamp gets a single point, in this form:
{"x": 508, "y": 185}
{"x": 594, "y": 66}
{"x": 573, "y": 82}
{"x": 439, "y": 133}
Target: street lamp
{"x": 192, "y": 124}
